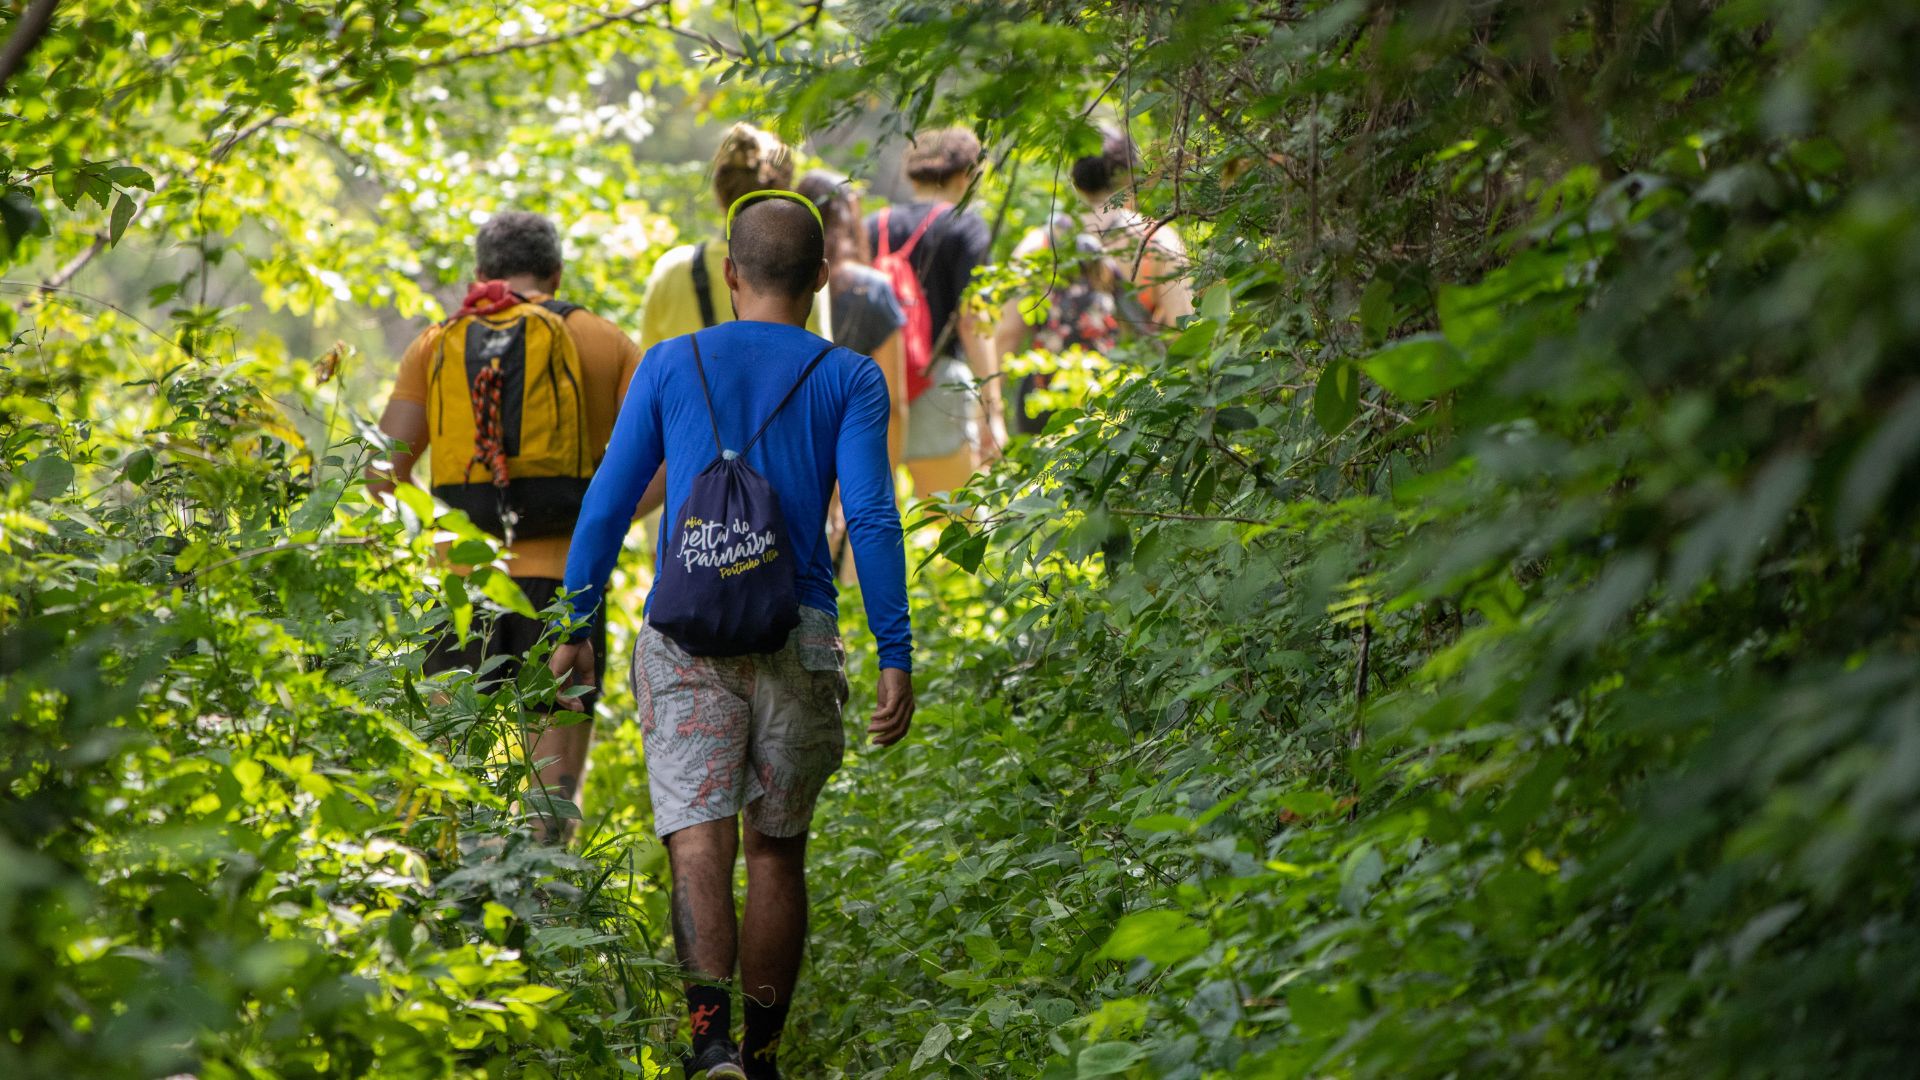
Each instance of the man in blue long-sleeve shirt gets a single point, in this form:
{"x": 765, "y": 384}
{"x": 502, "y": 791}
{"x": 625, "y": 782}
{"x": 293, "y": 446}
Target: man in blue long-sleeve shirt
{"x": 761, "y": 733}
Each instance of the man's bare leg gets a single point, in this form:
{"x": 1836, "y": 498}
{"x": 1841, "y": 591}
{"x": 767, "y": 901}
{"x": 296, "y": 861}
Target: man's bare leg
{"x": 773, "y": 939}
{"x": 704, "y": 923}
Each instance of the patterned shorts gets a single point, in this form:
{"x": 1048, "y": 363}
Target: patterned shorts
{"x": 760, "y": 733}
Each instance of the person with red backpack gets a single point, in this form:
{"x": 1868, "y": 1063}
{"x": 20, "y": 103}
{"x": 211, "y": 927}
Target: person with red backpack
{"x": 516, "y": 395}
{"x": 929, "y": 247}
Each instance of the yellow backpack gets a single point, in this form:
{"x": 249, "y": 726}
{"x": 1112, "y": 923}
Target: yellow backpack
{"x": 507, "y": 420}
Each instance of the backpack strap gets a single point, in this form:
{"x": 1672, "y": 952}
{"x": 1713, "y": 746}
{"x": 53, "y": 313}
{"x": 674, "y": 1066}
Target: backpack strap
{"x": 702, "y": 287}
{"x": 559, "y": 307}
{"x": 933, "y": 215}
{"x": 881, "y": 225}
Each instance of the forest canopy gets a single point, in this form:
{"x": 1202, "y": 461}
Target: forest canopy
{"x": 1480, "y": 640}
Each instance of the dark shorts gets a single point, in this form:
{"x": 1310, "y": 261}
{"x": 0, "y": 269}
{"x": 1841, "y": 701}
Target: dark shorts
{"x": 513, "y": 636}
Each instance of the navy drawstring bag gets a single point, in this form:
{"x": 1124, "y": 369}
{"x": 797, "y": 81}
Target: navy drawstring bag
{"x": 725, "y": 584}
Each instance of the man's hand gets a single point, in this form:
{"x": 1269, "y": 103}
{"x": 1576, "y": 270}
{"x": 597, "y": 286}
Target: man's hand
{"x": 572, "y": 664}
{"x": 893, "y": 713}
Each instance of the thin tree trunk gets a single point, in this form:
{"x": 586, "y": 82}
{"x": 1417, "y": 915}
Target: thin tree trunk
{"x": 28, "y": 29}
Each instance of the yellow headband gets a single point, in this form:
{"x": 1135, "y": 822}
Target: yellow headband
{"x": 772, "y": 193}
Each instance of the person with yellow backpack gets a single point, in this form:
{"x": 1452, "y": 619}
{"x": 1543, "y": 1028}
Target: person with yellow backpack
{"x": 516, "y": 396}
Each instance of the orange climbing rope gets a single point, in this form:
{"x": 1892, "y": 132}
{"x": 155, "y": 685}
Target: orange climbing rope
{"x": 489, "y": 432}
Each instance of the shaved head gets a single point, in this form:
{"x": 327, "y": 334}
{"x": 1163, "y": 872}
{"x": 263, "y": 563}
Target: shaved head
{"x": 777, "y": 247}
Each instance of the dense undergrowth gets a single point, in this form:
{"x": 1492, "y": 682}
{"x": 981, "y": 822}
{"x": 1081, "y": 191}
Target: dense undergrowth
{"x": 242, "y": 836}
{"x": 1481, "y": 643}
{"x": 1484, "y": 643}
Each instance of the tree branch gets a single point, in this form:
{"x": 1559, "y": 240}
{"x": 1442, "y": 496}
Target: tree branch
{"x": 631, "y": 14}
{"x": 811, "y": 20}
{"x": 242, "y": 133}
{"x": 309, "y": 545}
{"x": 28, "y": 29}
{"x": 1162, "y": 515}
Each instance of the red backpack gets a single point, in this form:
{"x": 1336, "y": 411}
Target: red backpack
{"x": 917, "y": 337}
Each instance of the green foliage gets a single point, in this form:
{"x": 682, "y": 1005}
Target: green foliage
{"x": 1485, "y": 645}
{"x": 1480, "y": 642}
{"x": 241, "y": 836}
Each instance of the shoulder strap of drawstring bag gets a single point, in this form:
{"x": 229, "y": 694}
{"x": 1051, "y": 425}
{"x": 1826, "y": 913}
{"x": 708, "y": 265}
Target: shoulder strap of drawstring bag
{"x": 706, "y": 392}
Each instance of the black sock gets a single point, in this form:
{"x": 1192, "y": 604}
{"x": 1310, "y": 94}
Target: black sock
{"x": 760, "y": 1044}
{"x": 709, "y": 1014}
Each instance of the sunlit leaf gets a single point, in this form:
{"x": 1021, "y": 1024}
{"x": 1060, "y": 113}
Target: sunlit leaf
{"x": 1161, "y": 937}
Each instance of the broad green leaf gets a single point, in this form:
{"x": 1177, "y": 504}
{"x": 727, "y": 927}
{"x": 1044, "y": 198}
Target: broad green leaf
{"x": 968, "y": 553}
{"x": 20, "y": 218}
{"x": 1874, "y": 468}
{"x": 123, "y": 207}
{"x": 1053, "y": 1010}
{"x": 1106, "y": 1059}
{"x": 1376, "y": 310}
{"x": 399, "y": 933}
{"x": 1119, "y": 1016}
{"x": 935, "y": 1042}
{"x": 415, "y": 499}
{"x": 50, "y": 475}
{"x": 138, "y": 467}
{"x": 1323, "y": 1012}
{"x": 1160, "y": 937}
{"x": 503, "y": 590}
{"x": 1235, "y": 418}
{"x": 459, "y": 603}
{"x": 1418, "y": 368}
{"x": 1336, "y": 398}
{"x": 1363, "y": 870}
{"x": 131, "y": 176}
{"x": 1154, "y": 823}
{"x": 1195, "y": 339}
{"x": 470, "y": 553}
{"x": 1216, "y": 303}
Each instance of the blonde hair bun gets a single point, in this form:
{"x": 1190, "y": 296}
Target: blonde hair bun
{"x": 749, "y": 159}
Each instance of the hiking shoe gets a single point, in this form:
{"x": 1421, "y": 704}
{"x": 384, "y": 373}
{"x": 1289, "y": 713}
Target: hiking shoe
{"x": 719, "y": 1061}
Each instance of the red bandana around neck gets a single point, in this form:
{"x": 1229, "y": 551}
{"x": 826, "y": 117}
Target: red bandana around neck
{"x": 487, "y": 297}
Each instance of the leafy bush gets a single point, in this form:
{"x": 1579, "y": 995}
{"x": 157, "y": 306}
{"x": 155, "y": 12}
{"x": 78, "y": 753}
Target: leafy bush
{"x": 1480, "y": 643}
{"x": 241, "y": 838}
{"x": 1484, "y": 644}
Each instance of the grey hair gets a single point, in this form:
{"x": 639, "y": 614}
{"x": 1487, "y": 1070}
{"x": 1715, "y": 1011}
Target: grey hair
{"x": 516, "y": 242}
